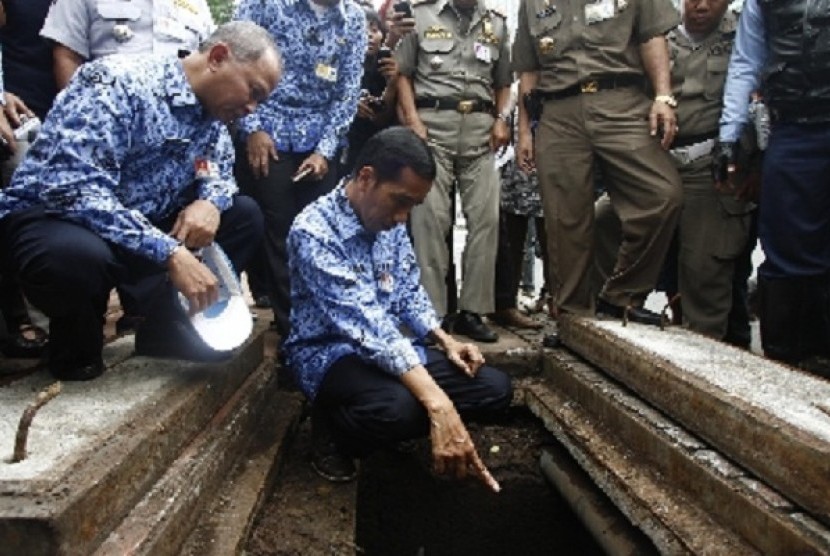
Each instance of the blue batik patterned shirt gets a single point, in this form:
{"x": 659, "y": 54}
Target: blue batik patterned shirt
{"x": 316, "y": 101}
{"x": 126, "y": 144}
{"x": 351, "y": 292}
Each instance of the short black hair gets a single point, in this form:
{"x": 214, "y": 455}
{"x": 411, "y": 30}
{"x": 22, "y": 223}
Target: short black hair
{"x": 373, "y": 17}
{"x": 391, "y": 150}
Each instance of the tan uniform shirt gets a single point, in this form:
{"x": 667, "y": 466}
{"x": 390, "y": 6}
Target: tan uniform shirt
{"x": 698, "y": 74}
{"x": 444, "y": 62}
{"x": 573, "y": 41}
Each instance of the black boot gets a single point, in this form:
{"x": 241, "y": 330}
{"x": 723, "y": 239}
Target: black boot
{"x": 780, "y": 315}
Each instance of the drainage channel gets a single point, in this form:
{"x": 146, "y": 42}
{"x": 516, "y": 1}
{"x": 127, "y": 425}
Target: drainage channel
{"x": 398, "y": 507}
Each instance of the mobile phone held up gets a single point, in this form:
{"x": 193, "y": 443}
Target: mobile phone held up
{"x": 404, "y": 8}
{"x": 384, "y": 52}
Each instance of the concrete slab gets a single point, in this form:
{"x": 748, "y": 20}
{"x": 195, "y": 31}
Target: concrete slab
{"x": 736, "y": 500}
{"x": 513, "y": 352}
{"x": 97, "y": 447}
{"x": 224, "y": 526}
{"x": 672, "y": 520}
{"x": 161, "y": 522}
{"x": 767, "y": 417}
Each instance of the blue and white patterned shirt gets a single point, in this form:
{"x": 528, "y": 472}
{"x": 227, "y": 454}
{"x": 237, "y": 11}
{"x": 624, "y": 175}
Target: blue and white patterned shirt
{"x": 120, "y": 149}
{"x": 351, "y": 291}
{"x": 316, "y": 101}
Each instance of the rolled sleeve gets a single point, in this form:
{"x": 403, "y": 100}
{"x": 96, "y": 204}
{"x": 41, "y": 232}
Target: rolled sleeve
{"x": 524, "y": 52}
{"x": 68, "y": 23}
{"x": 406, "y": 54}
{"x": 654, "y": 18}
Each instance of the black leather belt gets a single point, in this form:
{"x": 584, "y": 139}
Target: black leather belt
{"x": 448, "y": 103}
{"x": 594, "y": 86}
{"x": 680, "y": 142}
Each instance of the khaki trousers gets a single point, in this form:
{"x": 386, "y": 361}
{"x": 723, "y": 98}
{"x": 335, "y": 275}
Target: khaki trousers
{"x": 611, "y": 128}
{"x": 460, "y": 145}
{"x": 713, "y": 232}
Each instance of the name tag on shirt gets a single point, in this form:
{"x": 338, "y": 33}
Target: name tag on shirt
{"x": 326, "y": 72}
{"x": 386, "y": 282}
{"x": 599, "y": 11}
{"x": 482, "y": 52}
{"x": 170, "y": 28}
{"x": 206, "y": 169}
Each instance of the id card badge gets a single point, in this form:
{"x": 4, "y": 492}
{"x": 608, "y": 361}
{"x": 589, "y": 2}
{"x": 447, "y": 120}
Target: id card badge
{"x": 482, "y": 52}
{"x": 599, "y": 11}
{"x": 325, "y": 72}
{"x": 206, "y": 169}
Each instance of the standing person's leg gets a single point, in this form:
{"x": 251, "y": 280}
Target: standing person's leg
{"x": 281, "y": 200}
{"x": 509, "y": 262}
{"x": 712, "y": 234}
{"x": 478, "y": 185}
{"x": 645, "y": 190}
{"x": 430, "y": 224}
{"x": 794, "y": 228}
{"x": 67, "y": 272}
{"x": 564, "y": 162}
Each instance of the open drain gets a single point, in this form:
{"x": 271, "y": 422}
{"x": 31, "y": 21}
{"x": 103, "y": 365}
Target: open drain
{"x": 403, "y": 510}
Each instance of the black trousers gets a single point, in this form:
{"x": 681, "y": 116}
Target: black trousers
{"x": 67, "y": 271}
{"x": 368, "y": 408}
{"x": 510, "y": 255}
{"x": 281, "y": 200}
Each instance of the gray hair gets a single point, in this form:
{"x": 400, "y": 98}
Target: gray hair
{"x": 246, "y": 40}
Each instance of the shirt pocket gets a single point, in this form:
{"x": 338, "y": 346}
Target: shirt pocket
{"x": 716, "y": 67}
{"x": 118, "y": 11}
{"x": 182, "y": 26}
{"x": 435, "y": 55}
{"x": 548, "y": 35}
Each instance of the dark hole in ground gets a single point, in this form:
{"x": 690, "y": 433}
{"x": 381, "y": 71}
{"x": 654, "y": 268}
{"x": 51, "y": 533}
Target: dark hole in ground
{"x": 403, "y": 510}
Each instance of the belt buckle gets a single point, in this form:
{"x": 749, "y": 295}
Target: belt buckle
{"x": 465, "y": 106}
{"x": 589, "y": 87}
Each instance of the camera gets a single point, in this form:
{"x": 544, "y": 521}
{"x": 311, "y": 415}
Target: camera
{"x": 404, "y": 8}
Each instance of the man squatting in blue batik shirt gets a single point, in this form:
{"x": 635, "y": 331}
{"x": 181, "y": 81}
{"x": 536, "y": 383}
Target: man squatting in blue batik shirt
{"x": 354, "y": 284}
{"x": 131, "y": 169}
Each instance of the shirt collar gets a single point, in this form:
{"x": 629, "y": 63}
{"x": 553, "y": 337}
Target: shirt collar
{"x": 349, "y": 223}
{"x": 176, "y": 85}
{"x": 339, "y": 8}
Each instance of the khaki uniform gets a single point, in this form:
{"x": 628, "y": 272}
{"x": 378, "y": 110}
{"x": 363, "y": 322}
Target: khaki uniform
{"x": 572, "y": 43}
{"x": 446, "y": 61}
{"x": 714, "y": 227}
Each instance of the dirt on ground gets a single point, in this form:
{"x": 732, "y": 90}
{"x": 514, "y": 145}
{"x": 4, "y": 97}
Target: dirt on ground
{"x": 399, "y": 507}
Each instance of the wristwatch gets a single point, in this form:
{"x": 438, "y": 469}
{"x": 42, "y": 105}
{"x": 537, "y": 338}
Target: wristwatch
{"x": 666, "y": 99}
{"x": 503, "y": 116}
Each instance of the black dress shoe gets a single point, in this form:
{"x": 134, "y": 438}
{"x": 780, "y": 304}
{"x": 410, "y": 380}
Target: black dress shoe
{"x": 635, "y": 314}
{"x": 551, "y": 340}
{"x": 470, "y": 325}
{"x": 77, "y": 371}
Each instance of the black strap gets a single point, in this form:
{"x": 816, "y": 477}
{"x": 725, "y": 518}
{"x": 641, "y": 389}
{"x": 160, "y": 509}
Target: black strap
{"x": 685, "y": 141}
{"x": 459, "y": 105}
{"x": 594, "y": 85}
